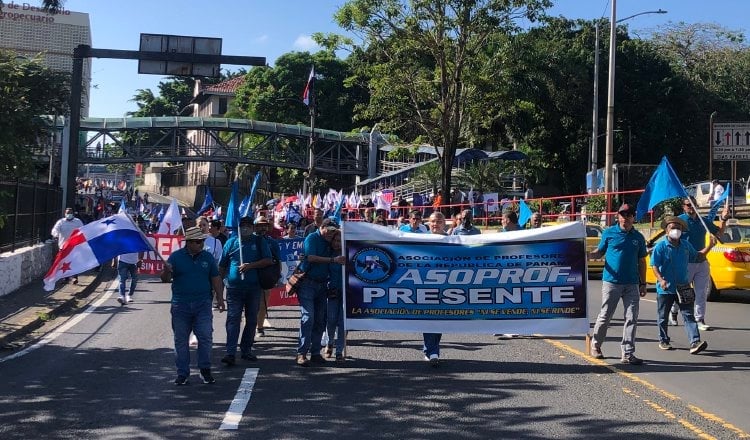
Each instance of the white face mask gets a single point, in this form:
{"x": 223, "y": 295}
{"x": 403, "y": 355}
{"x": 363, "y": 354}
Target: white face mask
{"x": 69, "y": 216}
{"x": 675, "y": 234}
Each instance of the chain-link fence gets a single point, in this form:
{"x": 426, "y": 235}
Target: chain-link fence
{"x": 28, "y": 210}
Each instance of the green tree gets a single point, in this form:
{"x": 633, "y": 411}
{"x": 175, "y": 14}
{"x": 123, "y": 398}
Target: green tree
{"x": 29, "y": 91}
{"x": 426, "y": 59}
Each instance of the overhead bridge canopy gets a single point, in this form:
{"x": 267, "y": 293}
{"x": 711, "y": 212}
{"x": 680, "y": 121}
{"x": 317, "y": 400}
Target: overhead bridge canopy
{"x": 190, "y": 139}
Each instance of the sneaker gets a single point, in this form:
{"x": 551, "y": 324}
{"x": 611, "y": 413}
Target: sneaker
{"x": 665, "y": 345}
{"x": 181, "y": 380}
{"x": 121, "y": 300}
{"x": 229, "y": 360}
{"x": 259, "y": 333}
{"x": 630, "y": 359}
{"x": 340, "y": 358}
{"x": 249, "y": 357}
{"x": 317, "y": 359}
{"x": 75, "y": 280}
{"x": 702, "y": 326}
{"x": 698, "y": 346}
{"x": 128, "y": 299}
{"x": 302, "y": 361}
{"x": 596, "y": 353}
{"x": 434, "y": 360}
{"x": 673, "y": 319}
{"x": 329, "y": 351}
{"x": 206, "y": 376}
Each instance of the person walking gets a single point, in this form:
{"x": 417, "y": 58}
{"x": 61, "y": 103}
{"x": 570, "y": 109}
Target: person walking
{"x": 62, "y": 230}
{"x": 194, "y": 275}
{"x": 238, "y": 266}
{"x": 262, "y": 227}
{"x": 317, "y": 220}
{"x": 466, "y": 226}
{"x": 669, "y": 261}
{"x": 312, "y": 293}
{"x": 431, "y": 347}
{"x": 699, "y": 271}
{"x": 127, "y": 266}
{"x": 624, "y": 278}
{"x": 335, "y": 331}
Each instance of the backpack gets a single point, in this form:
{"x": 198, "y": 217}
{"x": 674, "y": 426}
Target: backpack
{"x": 268, "y": 276}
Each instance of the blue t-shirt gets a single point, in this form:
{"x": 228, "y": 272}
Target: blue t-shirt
{"x": 696, "y": 233}
{"x": 460, "y": 230}
{"x": 622, "y": 251}
{"x": 672, "y": 262}
{"x": 230, "y": 259}
{"x": 315, "y": 244}
{"x": 191, "y": 275}
{"x": 407, "y": 228}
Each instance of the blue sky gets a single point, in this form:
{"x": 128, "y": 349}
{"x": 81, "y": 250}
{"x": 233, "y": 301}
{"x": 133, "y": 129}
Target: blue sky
{"x": 271, "y": 28}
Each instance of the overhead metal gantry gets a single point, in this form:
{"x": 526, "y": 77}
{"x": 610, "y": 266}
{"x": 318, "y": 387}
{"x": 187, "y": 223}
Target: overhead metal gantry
{"x": 189, "y": 139}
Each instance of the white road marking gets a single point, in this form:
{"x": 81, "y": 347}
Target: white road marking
{"x": 241, "y": 398}
{"x": 65, "y": 327}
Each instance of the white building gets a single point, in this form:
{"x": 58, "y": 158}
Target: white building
{"x": 28, "y": 31}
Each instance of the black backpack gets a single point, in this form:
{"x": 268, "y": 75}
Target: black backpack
{"x": 269, "y": 276}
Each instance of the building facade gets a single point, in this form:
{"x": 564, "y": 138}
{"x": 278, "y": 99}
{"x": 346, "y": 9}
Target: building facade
{"x": 30, "y": 32}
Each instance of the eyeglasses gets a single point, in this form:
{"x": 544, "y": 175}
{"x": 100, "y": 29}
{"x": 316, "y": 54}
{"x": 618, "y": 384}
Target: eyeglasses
{"x": 687, "y": 204}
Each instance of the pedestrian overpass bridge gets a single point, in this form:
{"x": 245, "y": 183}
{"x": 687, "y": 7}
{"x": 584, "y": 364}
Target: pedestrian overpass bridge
{"x": 192, "y": 139}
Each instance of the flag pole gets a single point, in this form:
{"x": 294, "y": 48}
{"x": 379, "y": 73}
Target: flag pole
{"x": 146, "y": 240}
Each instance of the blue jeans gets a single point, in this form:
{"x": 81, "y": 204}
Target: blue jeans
{"x": 335, "y": 324}
{"x": 663, "y": 305}
{"x": 431, "y": 343}
{"x": 124, "y": 270}
{"x": 242, "y": 300}
{"x": 312, "y": 305}
{"x": 197, "y": 317}
{"x": 611, "y": 295}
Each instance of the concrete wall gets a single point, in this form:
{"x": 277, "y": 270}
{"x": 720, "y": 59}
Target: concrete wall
{"x": 25, "y": 265}
{"x": 186, "y": 194}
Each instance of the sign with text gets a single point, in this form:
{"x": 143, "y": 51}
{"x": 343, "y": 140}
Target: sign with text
{"x": 731, "y": 141}
{"x": 521, "y": 282}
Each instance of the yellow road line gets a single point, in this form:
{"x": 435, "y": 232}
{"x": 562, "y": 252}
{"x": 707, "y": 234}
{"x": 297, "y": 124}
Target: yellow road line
{"x": 632, "y": 377}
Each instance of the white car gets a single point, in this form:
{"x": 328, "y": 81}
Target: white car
{"x": 701, "y": 191}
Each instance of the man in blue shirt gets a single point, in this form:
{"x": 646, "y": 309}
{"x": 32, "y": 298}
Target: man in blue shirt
{"x": 624, "y": 277}
{"x": 193, "y": 273}
{"x": 466, "y": 227}
{"x": 312, "y": 292}
{"x": 243, "y": 290}
{"x": 699, "y": 271}
{"x": 669, "y": 261}
{"x": 415, "y": 223}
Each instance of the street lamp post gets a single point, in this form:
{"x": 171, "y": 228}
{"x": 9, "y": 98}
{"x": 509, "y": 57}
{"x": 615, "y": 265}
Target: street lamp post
{"x": 609, "y": 152}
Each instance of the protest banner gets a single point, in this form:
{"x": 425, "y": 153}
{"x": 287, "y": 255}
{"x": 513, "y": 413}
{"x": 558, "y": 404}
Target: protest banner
{"x": 291, "y": 249}
{"x": 528, "y": 282}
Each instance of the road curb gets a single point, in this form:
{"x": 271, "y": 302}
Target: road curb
{"x": 55, "y": 304}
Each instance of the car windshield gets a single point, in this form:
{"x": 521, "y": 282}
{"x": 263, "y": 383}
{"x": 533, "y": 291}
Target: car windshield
{"x": 736, "y": 234}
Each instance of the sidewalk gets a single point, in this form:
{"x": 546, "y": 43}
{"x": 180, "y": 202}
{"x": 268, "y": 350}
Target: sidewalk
{"x": 27, "y": 308}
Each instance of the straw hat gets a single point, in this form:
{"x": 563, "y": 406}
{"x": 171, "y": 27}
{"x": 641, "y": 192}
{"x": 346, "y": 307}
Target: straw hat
{"x": 194, "y": 233}
{"x": 261, "y": 220}
{"x": 676, "y": 220}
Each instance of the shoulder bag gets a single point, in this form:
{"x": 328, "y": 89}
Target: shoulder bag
{"x": 685, "y": 294}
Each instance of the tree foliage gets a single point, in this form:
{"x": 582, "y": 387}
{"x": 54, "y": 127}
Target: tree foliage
{"x": 29, "y": 91}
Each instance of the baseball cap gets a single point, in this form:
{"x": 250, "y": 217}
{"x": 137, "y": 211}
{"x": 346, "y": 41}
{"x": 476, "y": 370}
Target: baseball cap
{"x": 626, "y": 209}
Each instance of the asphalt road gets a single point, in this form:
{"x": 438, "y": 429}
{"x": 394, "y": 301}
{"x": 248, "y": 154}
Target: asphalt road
{"x": 108, "y": 372}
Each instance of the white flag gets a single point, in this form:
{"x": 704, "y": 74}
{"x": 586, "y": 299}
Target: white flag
{"x": 172, "y": 220}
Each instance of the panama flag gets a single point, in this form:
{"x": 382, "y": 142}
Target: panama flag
{"x": 94, "y": 244}
{"x": 307, "y": 95}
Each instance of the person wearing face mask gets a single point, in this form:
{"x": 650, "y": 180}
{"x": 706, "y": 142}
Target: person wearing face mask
{"x": 624, "y": 278}
{"x": 669, "y": 261}
{"x": 238, "y": 264}
{"x": 62, "y": 230}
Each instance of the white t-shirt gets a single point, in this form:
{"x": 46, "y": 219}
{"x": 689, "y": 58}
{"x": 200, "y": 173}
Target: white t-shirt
{"x": 213, "y": 246}
{"x": 63, "y": 228}
{"x": 130, "y": 258}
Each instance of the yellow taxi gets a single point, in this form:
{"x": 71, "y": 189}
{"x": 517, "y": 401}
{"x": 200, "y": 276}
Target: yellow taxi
{"x": 729, "y": 261}
{"x": 593, "y": 236}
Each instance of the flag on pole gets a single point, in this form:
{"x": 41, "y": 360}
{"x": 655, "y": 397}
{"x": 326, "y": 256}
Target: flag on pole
{"x": 339, "y": 206}
{"x": 172, "y": 220}
{"x": 208, "y": 202}
{"x": 94, "y": 244}
{"x": 664, "y": 185}
{"x": 248, "y": 212}
{"x": 123, "y": 209}
{"x": 307, "y": 95}
{"x": 233, "y": 211}
{"x": 524, "y": 213}
{"x": 717, "y": 204}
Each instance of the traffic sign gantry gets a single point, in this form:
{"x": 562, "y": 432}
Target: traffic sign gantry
{"x": 731, "y": 141}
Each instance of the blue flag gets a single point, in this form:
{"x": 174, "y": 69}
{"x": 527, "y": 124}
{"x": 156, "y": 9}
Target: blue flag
{"x": 337, "y": 212}
{"x": 246, "y": 208}
{"x": 123, "y": 209}
{"x": 524, "y": 213}
{"x": 664, "y": 185}
{"x": 233, "y": 212}
{"x": 717, "y": 204}
{"x": 208, "y": 202}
